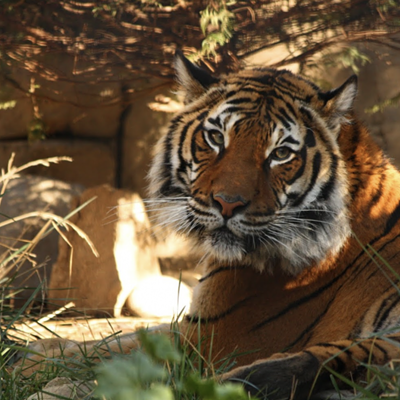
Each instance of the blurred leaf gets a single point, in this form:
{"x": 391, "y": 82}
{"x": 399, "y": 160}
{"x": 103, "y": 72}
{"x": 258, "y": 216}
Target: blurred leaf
{"x": 135, "y": 370}
{"x": 36, "y": 131}
{"x": 5, "y": 105}
{"x": 159, "y": 347}
{"x": 230, "y": 391}
{"x": 393, "y": 101}
{"x": 209, "y": 389}
{"x": 216, "y": 23}
{"x": 202, "y": 387}
{"x": 156, "y": 392}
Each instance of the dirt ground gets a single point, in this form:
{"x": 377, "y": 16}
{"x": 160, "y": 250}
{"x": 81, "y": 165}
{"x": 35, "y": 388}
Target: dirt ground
{"x": 82, "y": 329}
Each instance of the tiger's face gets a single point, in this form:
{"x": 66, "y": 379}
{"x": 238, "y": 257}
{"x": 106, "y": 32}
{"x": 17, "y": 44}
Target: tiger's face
{"x": 252, "y": 170}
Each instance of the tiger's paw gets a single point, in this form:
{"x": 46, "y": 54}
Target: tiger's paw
{"x": 279, "y": 378}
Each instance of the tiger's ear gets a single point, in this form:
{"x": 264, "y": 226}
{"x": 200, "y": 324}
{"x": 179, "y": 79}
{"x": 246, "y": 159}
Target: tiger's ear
{"x": 339, "y": 102}
{"x": 193, "y": 81}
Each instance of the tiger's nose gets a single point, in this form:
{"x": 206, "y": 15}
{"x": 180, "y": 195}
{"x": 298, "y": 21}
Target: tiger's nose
{"x": 227, "y": 204}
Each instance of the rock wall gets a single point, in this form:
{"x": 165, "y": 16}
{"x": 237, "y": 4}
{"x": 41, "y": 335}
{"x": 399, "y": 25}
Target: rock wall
{"x": 26, "y": 195}
{"x": 106, "y": 127}
{"x": 378, "y": 80}
{"x": 109, "y": 129}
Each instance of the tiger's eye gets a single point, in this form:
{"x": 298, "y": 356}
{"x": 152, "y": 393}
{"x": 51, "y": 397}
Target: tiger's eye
{"x": 216, "y": 137}
{"x": 281, "y": 153}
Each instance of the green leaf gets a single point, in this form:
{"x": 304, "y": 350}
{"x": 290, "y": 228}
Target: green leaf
{"x": 5, "y": 105}
{"x": 231, "y": 391}
{"x": 134, "y": 377}
{"x": 159, "y": 346}
{"x": 136, "y": 371}
{"x": 217, "y": 24}
{"x": 204, "y": 20}
{"x": 157, "y": 392}
{"x": 203, "y": 387}
{"x": 208, "y": 389}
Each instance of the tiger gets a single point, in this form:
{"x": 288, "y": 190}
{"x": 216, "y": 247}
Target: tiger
{"x": 295, "y": 210}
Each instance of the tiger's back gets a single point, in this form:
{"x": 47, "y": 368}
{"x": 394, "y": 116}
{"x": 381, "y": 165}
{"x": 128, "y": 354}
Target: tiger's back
{"x": 279, "y": 184}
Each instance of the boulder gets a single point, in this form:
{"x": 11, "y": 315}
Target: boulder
{"x": 64, "y": 388}
{"x": 24, "y": 195}
{"x": 117, "y": 223}
{"x": 160, "y": 296}
{"x": 93, "y": 161}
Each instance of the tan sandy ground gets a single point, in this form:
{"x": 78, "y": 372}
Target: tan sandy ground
{"x": 82, "y": 329}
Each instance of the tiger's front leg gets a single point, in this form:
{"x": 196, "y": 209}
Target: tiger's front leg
{"x": 298, "y": 376}
{"x": 278, "y": 378}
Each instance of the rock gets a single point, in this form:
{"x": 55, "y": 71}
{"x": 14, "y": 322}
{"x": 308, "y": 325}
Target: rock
{"x": 160, "y": 296}
{"x": 141, "y": 129}
{"x": 87, "y": 120}
{"x": 117, "y": 223}
{"x": 63, "y": 388}
{"x": 24, "y": 195}
{"x": 375, "y": 85}
{"x": 93, "y": 161}
{"x": 79, "y": 107}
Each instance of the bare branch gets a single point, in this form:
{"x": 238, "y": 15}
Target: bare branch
{"x": 132, "y": 41}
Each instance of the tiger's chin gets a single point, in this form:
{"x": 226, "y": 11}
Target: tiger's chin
{"x": 226, "y": 247}
{"x": 291, "y": 257}
{"x": 231, "y": 251}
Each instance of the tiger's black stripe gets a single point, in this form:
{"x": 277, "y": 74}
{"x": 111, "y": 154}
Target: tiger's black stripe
{"x": 385, "y": 310}
{"x": 240, "y": 100}
{"x": 308, "y": 329}
{"x": 388, "y": 260}
{"x": 222, "y": 315}
{"x": 194, "y": 148}
{"x": 222, "y": 269}
{"x": 316, "y": 166}
{"x": 391, "y": 222}
{"x": 303, "y": 155}
{"x": 286, "y": 116}
{"x": 200, "y": 212}
{"x": 181, "y": 170}
{"x": 309, "y": 140}
{"x": 379, "y": 191}
{"x": 296, "y": 304}
{"x": 290, "y": 139}
{"x": 328, "y": 187}
{"x": 382, "y": 350}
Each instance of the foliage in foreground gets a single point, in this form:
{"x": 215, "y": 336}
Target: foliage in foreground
{"x": 161, "y": 371}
